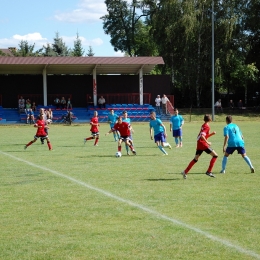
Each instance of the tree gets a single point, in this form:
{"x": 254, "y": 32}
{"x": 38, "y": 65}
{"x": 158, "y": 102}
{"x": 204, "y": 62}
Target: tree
{"x": 59, "y": 47}
{"x": 78, "y": 50}
{"x": 24, "y": 49}
{"x": 124, "y": 23}
{"x": 90, "y": 52}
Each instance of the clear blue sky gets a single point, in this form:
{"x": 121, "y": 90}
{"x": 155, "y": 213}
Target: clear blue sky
{"x": 38, "y": 21}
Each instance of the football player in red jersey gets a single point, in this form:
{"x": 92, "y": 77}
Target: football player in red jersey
{"x": 203, "y": 145}
{"x": 124, "y": 129}
{"x": 94, "y": 129}
{"x": 41, "y": 133}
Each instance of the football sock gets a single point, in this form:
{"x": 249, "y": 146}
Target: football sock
{"x": 96, "y": 141}
{"x": 126, "y": 147}
{"x": 89, "y": 138}
{"x": 176, "y": 140}
{"x": 49, "y": 145}
{"x": 161, "y": 148}
{"x": 119, "y": 148}
{"x": 212, "y": 162}
{"x": 115, "y": 136}
{"x": 248, "y": 161}
{"x": 190, "y": 166}
{"x": 180, "y": 139}
{"x": 224, "y": 162}
{"x": 29, "y": 143}
{"x": 131, "y": 147}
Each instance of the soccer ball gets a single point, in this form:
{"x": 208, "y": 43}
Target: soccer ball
{"x": 118, "y": 154}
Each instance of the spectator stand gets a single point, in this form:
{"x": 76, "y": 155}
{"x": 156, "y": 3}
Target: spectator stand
{"x": 137, "y": 113}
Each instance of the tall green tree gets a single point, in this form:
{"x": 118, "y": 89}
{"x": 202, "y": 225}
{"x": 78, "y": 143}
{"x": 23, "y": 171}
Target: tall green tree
{"x": 25, "y": 49}
{"x": 90, "y": 52}
{"x": 59, "y": 47}
{"x": 125, "y": 23}
{"x": 78, "y": 50}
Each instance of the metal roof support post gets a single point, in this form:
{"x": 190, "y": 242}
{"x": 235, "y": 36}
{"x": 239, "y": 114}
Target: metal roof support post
{"x": 95, "y": 86}
{"x": 44, "y": 74}
{"x": 141, "y": 89}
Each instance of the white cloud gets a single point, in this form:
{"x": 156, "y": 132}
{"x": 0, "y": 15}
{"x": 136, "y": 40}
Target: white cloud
{"x": 87, "y": 11}
{"x": 31, "y": 38}
{"x": 69, "y": 40}
{"x": 119, "y": 54}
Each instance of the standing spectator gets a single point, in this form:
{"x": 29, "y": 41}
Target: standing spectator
{"x": 101, "y": 102}
{"x": 69, "y": 104}
{"x": 203, "y": 145}
{"x": 240, "y": 104}
{"x": 218, "y": 106}
{"x": 112, "y": 119}
{"x": 40, "y": 124}
{"x": 176, "y": 123}
{"x": 234, "y": 140}
{"x": 49, "y": 114}
{"x": 94, "y": 129}
{"x": 158, "y": 104}
{"x": 57, "y": 102}
{"x": 63, "y": 103}
{"x": 124, "y": 129}
{"x": 164, "y": 104}
{"x": 231, "y": 104}
{"x": 21, "y": 104}
{"x": 160, "y": 134}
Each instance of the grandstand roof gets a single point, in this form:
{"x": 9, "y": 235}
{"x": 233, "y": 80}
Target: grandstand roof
{"x": 78, "y": 65}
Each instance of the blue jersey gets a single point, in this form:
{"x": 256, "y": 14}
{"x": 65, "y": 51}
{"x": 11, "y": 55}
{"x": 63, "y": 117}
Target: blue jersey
{"x": 176, "y": 122}
{"x": 234, "y": 135}
{"x": 127, "y": 120}
{"x": 112, "y": 119}
{"x": 156, "y": 124}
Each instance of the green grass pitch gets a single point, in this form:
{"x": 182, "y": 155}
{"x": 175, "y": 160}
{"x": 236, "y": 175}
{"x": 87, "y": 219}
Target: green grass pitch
{"x": 81, "y": 202}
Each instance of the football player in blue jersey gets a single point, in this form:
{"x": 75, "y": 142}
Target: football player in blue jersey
{"x": 112, "y": 120}
{"x": 234, "y": 141}
{"x": 176, "y": 123}
{"x": 160, "y": 134}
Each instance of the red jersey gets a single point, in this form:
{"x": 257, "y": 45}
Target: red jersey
{"x": 41, "y": 128}
{"x": 204, "y": 131}
{"x": 94, "y": 128}
{"x": 122, "y": 128}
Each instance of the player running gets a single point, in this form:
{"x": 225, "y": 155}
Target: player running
{"x": 112, "y": 119}
{"x": 124, "y": 129}
{"x": 203, "y": 145}
{"x": 234, "y": 140}
{"x": 41, "y": 133}
{"x": 160, "y": 134}
{"x": 94, "y": 129}
{"x": 128, "y": 120}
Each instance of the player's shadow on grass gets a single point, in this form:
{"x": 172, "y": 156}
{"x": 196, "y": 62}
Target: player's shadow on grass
{"x": 162, "y": 179}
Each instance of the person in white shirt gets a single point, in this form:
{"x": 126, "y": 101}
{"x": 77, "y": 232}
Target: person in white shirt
{"x": 218, "y": 106}
{"x": 158, "y": 105}
{"x": 164, "y": 104}
{"x": 101, "y": 102}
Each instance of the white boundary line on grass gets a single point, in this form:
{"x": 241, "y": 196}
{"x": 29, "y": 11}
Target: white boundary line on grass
{"x": 136, "y": 205}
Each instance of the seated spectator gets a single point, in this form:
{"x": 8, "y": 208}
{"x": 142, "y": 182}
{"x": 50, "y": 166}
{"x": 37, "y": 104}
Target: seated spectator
{"x": 27, "y": 105}
{"x": 102, "y": 102}
{"x": 30, "y": 116}
{"x": 57, "y": 102}
{"x": 240, "y": 104}
{"x": 21, "y": 104}
{"x": 231, "y": 104}
{"x": 63, "y": 103}
{"x": 218, "y": 106}
{"x": 34, "y": 108}
{"x": 69, "y": 104}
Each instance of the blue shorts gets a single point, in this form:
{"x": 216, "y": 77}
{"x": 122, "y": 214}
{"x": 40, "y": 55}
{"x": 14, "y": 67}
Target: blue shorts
{"x": 240, "y": 150}
{"x": 160, "y": 138}
{"x": 177, "y": 132}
